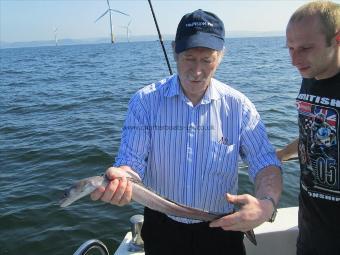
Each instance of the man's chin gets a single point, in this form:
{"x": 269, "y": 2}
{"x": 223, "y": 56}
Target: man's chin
{"x": 306, "y": 75}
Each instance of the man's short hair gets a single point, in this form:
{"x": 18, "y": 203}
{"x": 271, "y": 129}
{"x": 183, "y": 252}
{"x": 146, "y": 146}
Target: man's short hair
{"x": 328, "y": 12}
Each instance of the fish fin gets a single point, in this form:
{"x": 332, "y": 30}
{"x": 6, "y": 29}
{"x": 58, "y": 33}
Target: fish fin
{"x": 135, "y": 180}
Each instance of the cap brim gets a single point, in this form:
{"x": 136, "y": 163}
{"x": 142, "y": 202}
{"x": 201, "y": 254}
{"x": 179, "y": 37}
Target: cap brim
{"x": 203, "y": 40}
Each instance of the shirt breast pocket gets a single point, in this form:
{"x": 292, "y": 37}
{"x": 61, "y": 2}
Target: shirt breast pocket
{"x": 221, "y": 157}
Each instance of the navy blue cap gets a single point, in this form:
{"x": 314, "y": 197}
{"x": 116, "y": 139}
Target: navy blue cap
{"x": 199, "y": 29}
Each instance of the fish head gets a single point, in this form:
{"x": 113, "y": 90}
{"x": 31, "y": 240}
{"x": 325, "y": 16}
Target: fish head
{"x": 65, "y": 200}
{"x": 77, "y": 191}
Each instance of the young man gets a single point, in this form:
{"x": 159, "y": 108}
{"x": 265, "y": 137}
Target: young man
{"x": 182, "y": 137}
{"x": 313, "y": 40}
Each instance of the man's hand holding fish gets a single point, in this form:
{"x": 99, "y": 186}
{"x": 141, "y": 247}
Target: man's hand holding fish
{"x": 119, "y": 189}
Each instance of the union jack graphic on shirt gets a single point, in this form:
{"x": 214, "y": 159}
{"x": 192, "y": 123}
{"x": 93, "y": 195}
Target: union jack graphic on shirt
{"x": 319, "y": 150}
{"x": 329, "y": 114}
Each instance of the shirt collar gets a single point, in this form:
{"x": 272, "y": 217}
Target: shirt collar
{"x": 173, "y": 87}
{"x": 212, "y": 93}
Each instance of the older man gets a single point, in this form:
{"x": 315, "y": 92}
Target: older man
{"x": 183, "y": 136}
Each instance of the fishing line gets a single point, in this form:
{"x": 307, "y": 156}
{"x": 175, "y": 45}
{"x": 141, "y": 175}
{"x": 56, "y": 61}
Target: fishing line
{"x": 160, "y": 37}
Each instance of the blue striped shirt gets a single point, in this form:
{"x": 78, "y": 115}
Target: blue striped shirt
{"x": 189, "y": 154}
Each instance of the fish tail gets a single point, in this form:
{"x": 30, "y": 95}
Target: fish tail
{"x": 251, "y": 236}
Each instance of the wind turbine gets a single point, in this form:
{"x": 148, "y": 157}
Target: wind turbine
{"x": 109, "y": 10}
{"x": 55, "y": 36}
{"x": 128, "y": 30}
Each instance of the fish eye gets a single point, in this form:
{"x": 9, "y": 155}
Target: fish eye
{"x": 65, "y": 194}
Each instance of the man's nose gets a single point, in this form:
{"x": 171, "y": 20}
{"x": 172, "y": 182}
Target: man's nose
{"x": 197, "y": 68}
{"x": 295, "y": 57}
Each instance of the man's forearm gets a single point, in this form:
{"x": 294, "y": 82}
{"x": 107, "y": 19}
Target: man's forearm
{"x": 269, "y": 183}
{"x": 289, "y": 151}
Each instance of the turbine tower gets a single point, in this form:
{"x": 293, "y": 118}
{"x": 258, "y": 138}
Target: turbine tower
{"x": 55, "y": 36}
{"x": 109, "y": 10}
{"x": 128, "y": 30}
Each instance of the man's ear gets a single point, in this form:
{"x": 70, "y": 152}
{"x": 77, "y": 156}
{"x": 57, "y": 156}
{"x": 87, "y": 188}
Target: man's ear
{"x": 221, "y": 55}
{"x": 173, "y": 44}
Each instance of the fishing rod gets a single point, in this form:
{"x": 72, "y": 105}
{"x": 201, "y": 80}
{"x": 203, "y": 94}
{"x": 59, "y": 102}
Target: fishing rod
{"x": 160, "y": 37}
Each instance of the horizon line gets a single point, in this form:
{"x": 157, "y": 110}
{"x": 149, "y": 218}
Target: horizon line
{"x": 241, "y": 33}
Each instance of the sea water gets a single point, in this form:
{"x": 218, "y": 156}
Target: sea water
{"x": 61, "y": 113}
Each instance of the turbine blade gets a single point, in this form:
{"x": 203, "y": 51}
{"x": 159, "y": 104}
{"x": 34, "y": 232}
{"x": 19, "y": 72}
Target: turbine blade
{"x": 102, "y": 15}
{"x": 119, "y": 12}
{"x": 108, "y": 3}
{"x": 129, "y": 23}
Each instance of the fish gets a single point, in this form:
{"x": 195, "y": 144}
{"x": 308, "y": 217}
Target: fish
{"x": 145, "y": 197}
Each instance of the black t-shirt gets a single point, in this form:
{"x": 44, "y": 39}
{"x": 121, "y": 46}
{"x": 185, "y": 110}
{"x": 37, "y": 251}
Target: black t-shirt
{"x": 318, "y": 105}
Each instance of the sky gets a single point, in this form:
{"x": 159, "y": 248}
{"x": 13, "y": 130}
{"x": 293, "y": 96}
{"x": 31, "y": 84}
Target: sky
{"x": 33, "y": 20}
